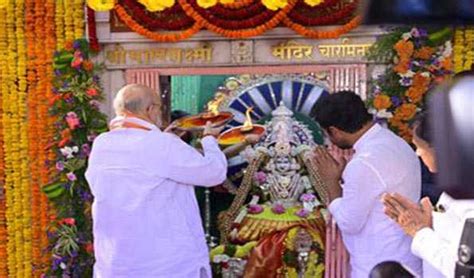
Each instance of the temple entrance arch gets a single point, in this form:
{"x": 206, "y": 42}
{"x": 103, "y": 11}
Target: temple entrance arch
{"x": 334, "y": 77}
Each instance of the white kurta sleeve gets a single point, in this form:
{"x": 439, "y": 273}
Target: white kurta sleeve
{"x": 184, "y": 164}
{"x": 436, "y": 251}
{"x": 362, "y": 189}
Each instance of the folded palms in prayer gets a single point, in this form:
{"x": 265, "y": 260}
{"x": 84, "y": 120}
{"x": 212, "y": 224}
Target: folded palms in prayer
{"x": 330, "y": 169}
{"x": 411, "y": 216}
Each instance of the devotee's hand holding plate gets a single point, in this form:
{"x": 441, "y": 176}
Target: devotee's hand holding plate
{"x": 210, "y": 130}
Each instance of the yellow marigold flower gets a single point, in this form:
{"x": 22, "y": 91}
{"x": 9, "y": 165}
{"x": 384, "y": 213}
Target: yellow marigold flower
{"x": 206, "y": 3}
{"x": 313, "y": 3}
{"x": 101, "y": 5}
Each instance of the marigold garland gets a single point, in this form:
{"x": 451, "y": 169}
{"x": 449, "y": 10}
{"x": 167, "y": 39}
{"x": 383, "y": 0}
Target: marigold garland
{"x": 325, "y": 18}
{"x": 173, "y": 37}
{"x": 3, "y": 198}
{"x": 92, "y": 30}
{"x": 463, "y": 49}
{"x": 255, "y": 31}
{"x": 223, "y": 12}
{"x": 47, "y": 132}
{"x": 59, "y": 24}
{"x": 318, "y": 34}
{"x": 33, "y": 125}
{"x": 419, "y": 61}
{"x": 69, "y": 19}
{"x": 13, "y": 149}
{"x": 238, "y": 4}
{"x": 78, "y": 18}
{"x": 180, "y": 20}
{"x": 254, "y": 21}
{"x": 23, "y": 163}
{"x": 235, "y": 20}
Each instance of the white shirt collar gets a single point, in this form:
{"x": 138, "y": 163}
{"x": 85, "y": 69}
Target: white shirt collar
{"x": 366, "y": 136}
{"x": 135, "y": 121}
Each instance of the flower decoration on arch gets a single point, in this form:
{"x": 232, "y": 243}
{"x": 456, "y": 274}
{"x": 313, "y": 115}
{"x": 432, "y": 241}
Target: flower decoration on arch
{"x": 175, "y": 20}
{"x": 418, "y": 60}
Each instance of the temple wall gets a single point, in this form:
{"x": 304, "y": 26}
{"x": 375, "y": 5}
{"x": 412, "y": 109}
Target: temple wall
{"x": 129, "y": 57}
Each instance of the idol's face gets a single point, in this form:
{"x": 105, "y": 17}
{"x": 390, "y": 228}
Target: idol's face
{"x": 282, "y": 164}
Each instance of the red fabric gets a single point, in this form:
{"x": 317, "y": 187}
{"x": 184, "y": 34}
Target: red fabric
{"x": 266, "y": 258}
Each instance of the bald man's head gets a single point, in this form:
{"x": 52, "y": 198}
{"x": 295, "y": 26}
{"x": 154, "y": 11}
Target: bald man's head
{"x": 137, "y": 100}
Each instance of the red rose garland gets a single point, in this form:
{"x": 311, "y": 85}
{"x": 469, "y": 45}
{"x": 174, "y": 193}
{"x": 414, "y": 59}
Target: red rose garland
{"x": 223, "y": 12}
{"x": 92, "y": 30}
{"x": 158, "y": 20}
{"x": 256, "y": 20}
{"x": 329, "y": 18}
{"x": 325, "y": 4}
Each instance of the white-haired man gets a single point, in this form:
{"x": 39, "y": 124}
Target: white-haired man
{"x": 146, "y": 218}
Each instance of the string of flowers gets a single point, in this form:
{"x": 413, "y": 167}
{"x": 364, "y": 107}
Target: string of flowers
{"x": 135, "y": 26}
{"x": 44, "y": 51}
{"x": 303, "y": 5}
{"x": 318, "y": 34}
{"x": 325, "y": 17}
{"x": 6, "y": 21}
{"x": 59, "y": 23}
{"x": 237, "y": 4}
{"x": 255, "y": 31}
{"x": 179, "y": 20}
{"x": 418, "y": 61}
{"x": 23, "y": 163}
{"x": 92, "y": 30}
{"x": 241, "y": 19}
{"x": 33, "y": 8}
{"x": 463, "y": 49}
{"x": 12, "y": 150}
{"x": 69, "y": 18}
{"x": 76, "y": 106}
{"x": 256, "y": 19}
{"x": 469, "y": 45}
{"x": 224, "y": 12}
{"x": 78, "y": 18}
{"x": 48, "y": 131}
{"x": 3, "y": 198}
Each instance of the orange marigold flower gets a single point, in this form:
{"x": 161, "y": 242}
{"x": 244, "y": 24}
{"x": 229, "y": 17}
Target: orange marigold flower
{"x": 404, "y": 49}
{"x": 88, "y": 65}
{"x": 382, "y": 102}
{"x": 447, "y": 64}
{"x": 406, "y": 111}
{"x": 69, "y": 45}
{"x": 402, "y": 66}
{"x": 65, "y": 137}
{"x": 424, "y": 53}
{"x": 395, "y": 121}
{"x": 414, "y": 94}
{"x": 420, "y": 81}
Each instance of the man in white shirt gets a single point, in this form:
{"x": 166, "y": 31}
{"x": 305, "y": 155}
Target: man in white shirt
{"x": 436, "y": 234}
{"x": 382, "y": 162}
{"x": 145, "y": 214}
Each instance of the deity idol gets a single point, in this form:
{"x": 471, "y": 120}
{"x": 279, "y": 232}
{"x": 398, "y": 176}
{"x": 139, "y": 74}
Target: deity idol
{"x": 275, "y": 226}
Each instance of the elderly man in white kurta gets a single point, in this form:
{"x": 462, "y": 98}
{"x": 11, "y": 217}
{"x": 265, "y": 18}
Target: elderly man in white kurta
{"x": 146, "y": 217}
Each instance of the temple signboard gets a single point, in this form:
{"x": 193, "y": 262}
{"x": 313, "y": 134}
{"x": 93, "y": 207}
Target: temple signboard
{"x": 237, "y": 52}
